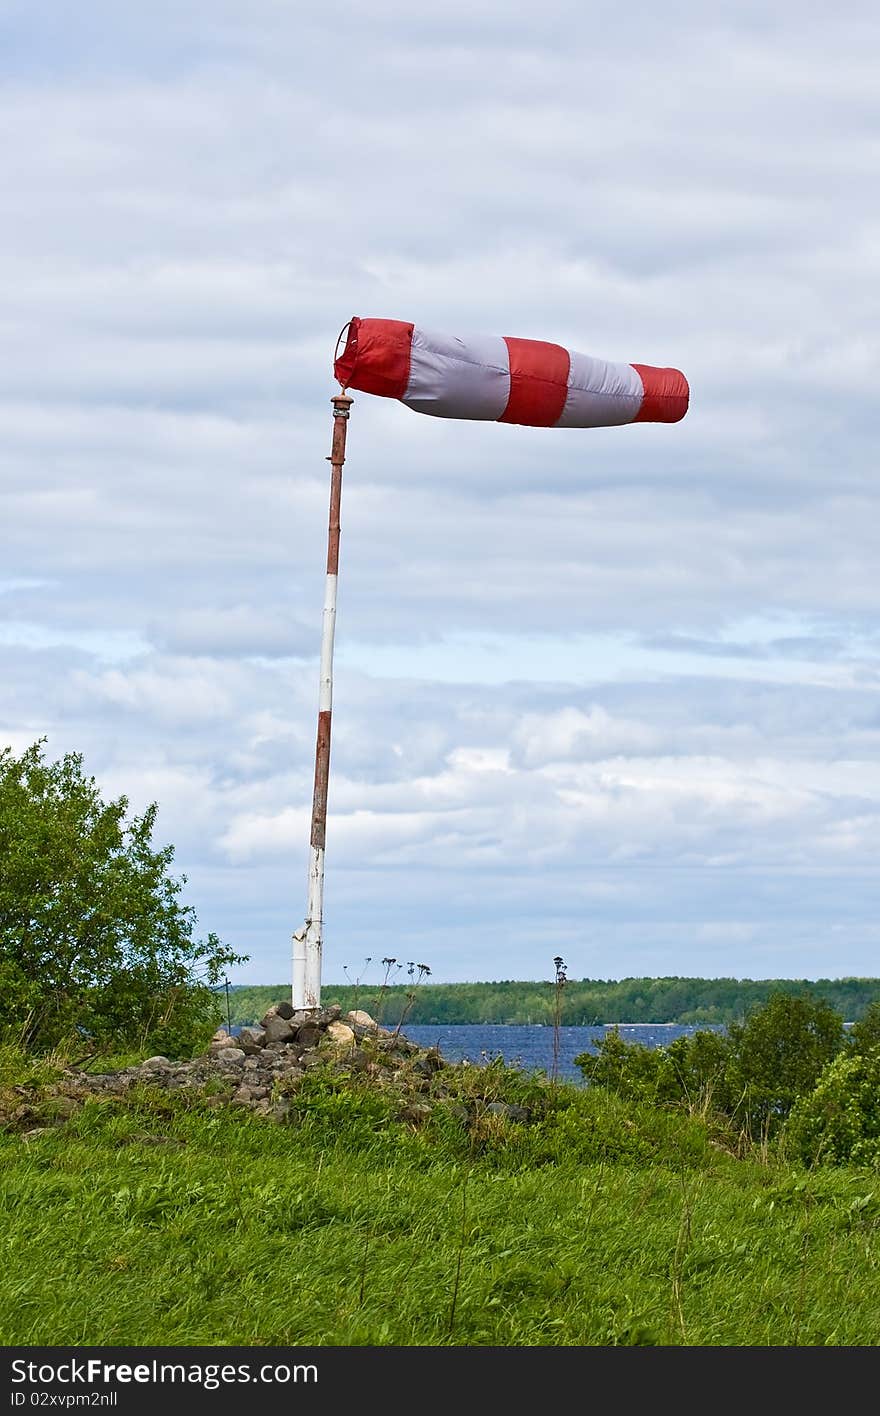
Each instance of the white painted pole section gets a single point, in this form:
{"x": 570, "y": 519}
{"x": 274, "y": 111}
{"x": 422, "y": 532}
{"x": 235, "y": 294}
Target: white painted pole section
{"x": 314, "y": 941}
{"x": 308, "y": 941}
{"x": 328, "y": 635}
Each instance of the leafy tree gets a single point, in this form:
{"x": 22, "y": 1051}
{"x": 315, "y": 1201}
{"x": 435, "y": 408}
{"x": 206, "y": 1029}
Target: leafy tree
{"x": 865, "y": 1034}
{"x": 778, "y": 1055}
{"x": 630, "y": 1069}
{"x": 753, "y": 1074}
{"x": 839, "y": 1121}
{"x": 93, "y": 936}
{"x": 700, "y": 1065}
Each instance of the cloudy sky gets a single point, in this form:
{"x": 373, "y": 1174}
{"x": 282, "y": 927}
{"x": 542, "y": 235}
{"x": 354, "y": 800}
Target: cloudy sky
{"x": 609, "y": 694}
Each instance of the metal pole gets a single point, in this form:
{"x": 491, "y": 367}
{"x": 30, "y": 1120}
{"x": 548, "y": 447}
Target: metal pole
{"x": 308, "y": 941}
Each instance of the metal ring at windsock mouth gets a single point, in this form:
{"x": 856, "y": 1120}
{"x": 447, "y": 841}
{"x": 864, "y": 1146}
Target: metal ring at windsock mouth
{"x": 348, "y": 330}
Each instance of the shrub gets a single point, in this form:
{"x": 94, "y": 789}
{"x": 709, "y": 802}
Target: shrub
{"x": 840, "y": 1119}
{"x": 630, "y": 1069}
{"x": 865, "y": 1034}
{"x": 752, "y": 1075}
{"x": 778, "y": 1055}
{"x": 93, "y": 937}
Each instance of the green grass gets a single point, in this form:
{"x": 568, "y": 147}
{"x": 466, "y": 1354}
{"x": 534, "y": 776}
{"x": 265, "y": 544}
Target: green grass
{"x": 156, "y": 1222}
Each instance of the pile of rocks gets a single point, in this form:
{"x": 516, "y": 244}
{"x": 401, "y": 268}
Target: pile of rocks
{"x": 262, "y": 1067}
{"x": 245, "y": 1069}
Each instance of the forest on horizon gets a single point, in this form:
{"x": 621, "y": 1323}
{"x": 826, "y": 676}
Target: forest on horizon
{"x": 582, "y": 1002}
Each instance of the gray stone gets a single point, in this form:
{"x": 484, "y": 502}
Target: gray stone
{"x": 460, "y": 1113}
{"x": 289, "y": 1083}
{"x": 402, "y": 1047}
{"x": 252, "y": 1039}
{"x": 416, "y": 1111}
{"x": 62, "y": 1107}
{"x": 278, "y": 1010}
{"x": 311, "y": 1058}
{"x": 508, "y": 1111}
{"x": 156, "y": 1064}
{"x": 340, "y": 1034}
{"x": 360, "y": 1019}
{"x": 231, "y": 1057}
{"x": 277, "y": 1030}
{"x": 308, "y": 1034}
{"x": 328, "y": 1015}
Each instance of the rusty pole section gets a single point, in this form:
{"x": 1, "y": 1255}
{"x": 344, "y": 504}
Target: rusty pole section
{"x": 308, "y": 941}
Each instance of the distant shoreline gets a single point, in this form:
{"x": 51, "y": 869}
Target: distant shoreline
{"x": 599, "y": 1003}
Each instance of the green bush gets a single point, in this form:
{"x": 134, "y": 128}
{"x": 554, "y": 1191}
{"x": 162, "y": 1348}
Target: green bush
{"x": 778, "y": 1055}
{"x": 752, "y": 1075}
{"x": 865, "y": 1034}
{"x": 94, "y": 941}
{"x": 630, "y": 1069}
{"x": 840, "y": 1119}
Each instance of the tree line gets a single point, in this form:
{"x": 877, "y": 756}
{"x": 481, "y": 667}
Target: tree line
{"x": 584, "y": 1002}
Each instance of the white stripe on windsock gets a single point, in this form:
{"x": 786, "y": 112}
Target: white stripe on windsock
{"x": 600, "y": 394}
{"x": 451, "y": 378}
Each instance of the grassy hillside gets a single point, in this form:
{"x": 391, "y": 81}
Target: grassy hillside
{"x": 584, "y": 1001}
{"x": 156, "y": 1220}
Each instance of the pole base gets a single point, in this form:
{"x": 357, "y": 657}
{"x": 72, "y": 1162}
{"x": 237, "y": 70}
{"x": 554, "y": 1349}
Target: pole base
{"x": 307, "y": 948}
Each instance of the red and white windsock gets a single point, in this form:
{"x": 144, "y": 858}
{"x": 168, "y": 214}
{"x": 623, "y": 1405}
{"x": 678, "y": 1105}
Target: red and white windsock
{"x": 505, "y": 380}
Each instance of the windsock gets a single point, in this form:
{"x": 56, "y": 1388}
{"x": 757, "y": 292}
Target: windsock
{"x": 504, "y": 380}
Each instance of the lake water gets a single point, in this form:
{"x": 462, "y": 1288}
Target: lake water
{"x": 531, "y": 1046}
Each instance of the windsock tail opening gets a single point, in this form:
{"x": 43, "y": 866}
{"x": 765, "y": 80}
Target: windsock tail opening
{"x": 666, "y": 395}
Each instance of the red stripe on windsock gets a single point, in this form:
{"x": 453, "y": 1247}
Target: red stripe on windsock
{"x": 376, "y": 357}
{"x": 538, "y": 382}
{"x": 666, "y": 395}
